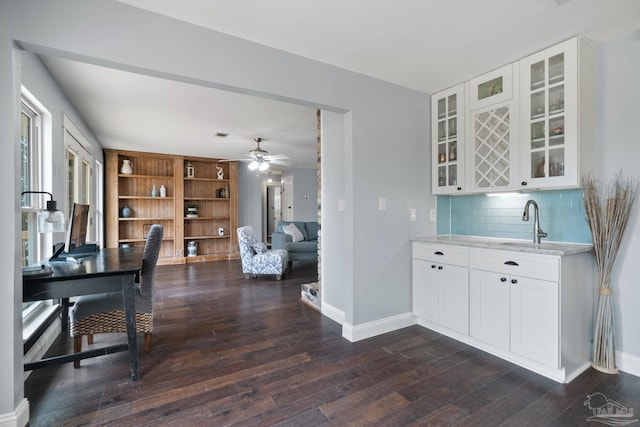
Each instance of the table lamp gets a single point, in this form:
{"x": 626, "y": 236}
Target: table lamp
{"x": 50, "y": 220}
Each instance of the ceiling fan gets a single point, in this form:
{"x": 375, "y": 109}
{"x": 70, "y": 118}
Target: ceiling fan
{"x": 260, "y": 159}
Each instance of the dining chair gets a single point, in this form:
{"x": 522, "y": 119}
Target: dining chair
{"x": 104, "y": 313}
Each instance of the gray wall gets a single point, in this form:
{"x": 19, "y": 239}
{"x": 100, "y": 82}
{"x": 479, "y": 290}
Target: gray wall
{"x": 249, "y": 199}
{"x": 618, "y": 149}
{"x": 305, "y": 193}
{"x": 36, "y": 80}
{"x": 333, "y": 219}
{"x": 392, "y": 120}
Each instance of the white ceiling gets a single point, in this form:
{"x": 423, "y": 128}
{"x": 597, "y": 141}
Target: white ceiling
{"x": 426, "y": 45}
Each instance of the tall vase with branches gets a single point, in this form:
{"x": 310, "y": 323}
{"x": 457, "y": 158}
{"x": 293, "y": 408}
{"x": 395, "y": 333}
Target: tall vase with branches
{"x": 607, "y": 215}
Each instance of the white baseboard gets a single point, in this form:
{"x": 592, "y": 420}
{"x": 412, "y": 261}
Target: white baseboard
{"x": 18, "y": 418}
{"x": 628, "y": 363}
{"x": 377, "y": 327}
{"x": 333, "y": 313}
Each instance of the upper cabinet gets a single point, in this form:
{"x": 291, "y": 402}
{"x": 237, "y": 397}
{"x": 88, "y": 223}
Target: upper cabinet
{"x": 528, "y": 125}
{"x": 491, "y": 88}
{"x": 493, "y": 154}
{"x": 556, "y": 115}
{"x": 448, "y": 140}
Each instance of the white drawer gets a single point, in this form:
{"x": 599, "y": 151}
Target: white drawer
{"x": 543, "y": 267}
{"x": 445, "y": 254}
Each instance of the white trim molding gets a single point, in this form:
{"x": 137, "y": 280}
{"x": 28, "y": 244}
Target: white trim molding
{"x": 377, "y": 327}
{"x": 333, "y": 313}
{"x": 628, "y": 363}
{"x": 18, "y": 418}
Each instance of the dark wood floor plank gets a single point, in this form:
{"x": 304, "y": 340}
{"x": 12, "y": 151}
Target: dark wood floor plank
{"x": 232, "y": 351}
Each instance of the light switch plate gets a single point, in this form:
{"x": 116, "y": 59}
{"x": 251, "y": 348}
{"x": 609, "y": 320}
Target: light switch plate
{"x": 341, "y": 205}
{"x": 382, "y": 204}
{"x": 412, "y": 214}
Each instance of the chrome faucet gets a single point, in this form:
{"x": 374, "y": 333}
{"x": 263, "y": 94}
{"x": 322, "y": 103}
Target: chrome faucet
{"x": 537, "y": 231}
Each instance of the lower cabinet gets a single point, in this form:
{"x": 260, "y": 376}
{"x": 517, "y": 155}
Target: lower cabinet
{"x": 517, "y": 314}
{"x": 441, "y": 286}
{"x": 535, "y": 310}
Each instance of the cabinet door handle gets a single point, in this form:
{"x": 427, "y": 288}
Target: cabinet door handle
{"x": 514, "y": 281}
{"x": 523, "y": 183}
{"x": 439, "y": 267}
{"x": 438, "y": 253}
{"x": 433, "y": 266}
{"x": 503, "y": 279}
{"x": 511, "y": 263}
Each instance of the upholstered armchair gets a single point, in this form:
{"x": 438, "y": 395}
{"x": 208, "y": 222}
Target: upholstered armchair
{"x": 256, "y": 258}
{"x": 104, "y": 313}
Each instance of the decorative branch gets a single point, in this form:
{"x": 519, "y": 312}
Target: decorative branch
{"x": 607, "y": 216}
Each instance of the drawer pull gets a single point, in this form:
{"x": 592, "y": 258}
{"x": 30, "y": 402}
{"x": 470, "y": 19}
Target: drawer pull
{"x": 511, "y": 263}
{"x": 514, "y": 281}
{"x": 503, "y": 279}
{"x": 433, "y": 266}
{"x": 438, "y": 253}
{"x": 439, "y": 267}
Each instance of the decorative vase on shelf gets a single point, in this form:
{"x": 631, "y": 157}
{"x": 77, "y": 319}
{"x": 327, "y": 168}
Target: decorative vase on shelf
{"x": 127, "y": 167}
{"x": 126, "y": 212}
{"x": 163, "y": 191}
{"x": 189, "y": 170}
{"x": 220, "y": 172}
{"x": 192, "y": 248}
{"x": 154, "y": 192}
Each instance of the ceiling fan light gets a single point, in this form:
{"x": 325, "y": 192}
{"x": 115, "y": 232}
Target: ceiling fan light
{"x": 263, "y": 166}
{"x": 253, "y": 165}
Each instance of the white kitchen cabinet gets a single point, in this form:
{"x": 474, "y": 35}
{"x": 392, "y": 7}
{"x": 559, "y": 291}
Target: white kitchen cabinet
{"x": 531, "y": 305}
{"x": 527, "y": 125}
{"x": 534, "y": 319}
{"x": 489, "y": 308}
{"x": 493, "y": 155}
{"x": 441, "y": 286}
{"x": 557, "y": 115}
{"x": 447, "y": 153}
{"x": 491, "y": 88}
{"x": 517, "y": 314}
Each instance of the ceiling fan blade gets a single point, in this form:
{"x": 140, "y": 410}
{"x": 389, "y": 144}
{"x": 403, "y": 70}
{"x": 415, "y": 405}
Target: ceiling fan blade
{"x": 280, "y": 162}
{"x": 277, "y": 157}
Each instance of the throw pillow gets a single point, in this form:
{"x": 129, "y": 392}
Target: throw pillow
{"x": 260, "y": 247}
{"x": 292, "y": 230}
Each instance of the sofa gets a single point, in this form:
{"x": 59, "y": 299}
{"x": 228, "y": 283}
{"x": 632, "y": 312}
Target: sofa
{"x": 306, "y": 246}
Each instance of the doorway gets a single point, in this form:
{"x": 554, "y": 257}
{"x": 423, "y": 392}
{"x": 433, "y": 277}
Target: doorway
{"x": 272, "y": 209}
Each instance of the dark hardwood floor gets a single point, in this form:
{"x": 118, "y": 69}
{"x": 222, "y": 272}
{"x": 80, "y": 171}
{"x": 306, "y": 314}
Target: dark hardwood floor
{"x": 230, "y": 351}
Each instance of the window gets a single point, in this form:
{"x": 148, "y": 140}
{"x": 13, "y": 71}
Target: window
{"x": 99, "y": 204}
{"x": 29, "y": 180}
{"x": 35, "y": 175}
{"x": 78, "y": 172}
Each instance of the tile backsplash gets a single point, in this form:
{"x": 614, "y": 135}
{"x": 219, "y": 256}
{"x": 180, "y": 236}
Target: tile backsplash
{"x": 562, "y": 216}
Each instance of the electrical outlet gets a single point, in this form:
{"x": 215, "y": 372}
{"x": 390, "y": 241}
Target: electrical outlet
{"x": 412, "y": 214}
{"x": 382, "y": 204}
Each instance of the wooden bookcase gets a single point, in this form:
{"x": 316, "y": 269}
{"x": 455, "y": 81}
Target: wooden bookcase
{"x": 216, "y": 199}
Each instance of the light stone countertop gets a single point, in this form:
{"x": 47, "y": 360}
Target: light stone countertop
{"x": 544, "y": 248}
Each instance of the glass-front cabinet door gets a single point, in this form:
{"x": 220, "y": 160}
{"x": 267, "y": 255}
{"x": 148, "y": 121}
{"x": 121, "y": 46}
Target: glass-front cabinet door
{"x": 549, "y": 117}
{"x": 448, "y": 140}
{"x": 491, "y": 88}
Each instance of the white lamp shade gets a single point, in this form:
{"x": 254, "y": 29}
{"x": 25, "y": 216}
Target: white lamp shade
{"x": 50, "y": 221}
{"x": 263, "y": 166}
{"x": 253, "y": 165}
